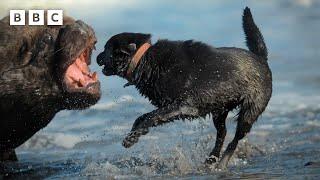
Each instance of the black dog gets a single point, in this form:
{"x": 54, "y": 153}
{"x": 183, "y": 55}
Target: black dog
{"x": 187, "y": 80}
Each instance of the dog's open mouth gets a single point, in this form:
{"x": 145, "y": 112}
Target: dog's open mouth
{"x": 78, "y": 74}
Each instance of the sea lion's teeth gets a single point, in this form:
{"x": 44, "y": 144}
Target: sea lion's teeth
{"x": 94, "y": 76}
{"x": 86, "y": 73}
{"x": 78, "y": 62}
{"x": 82, "y": 82}
{"x": 81, "y": 57}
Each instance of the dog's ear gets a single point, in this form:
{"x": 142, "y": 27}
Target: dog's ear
{"x": 128, "y": 43}
{"x": 139, "y": 40}
{"x": 132, "y": 47}
{"x": 125, "y": 51}
{"x": 144, "y": 38}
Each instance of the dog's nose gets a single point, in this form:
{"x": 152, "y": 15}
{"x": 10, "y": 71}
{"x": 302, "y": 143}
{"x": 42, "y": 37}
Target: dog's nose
{"x": 101, "y": 59}
{"x": 104, "y": 57}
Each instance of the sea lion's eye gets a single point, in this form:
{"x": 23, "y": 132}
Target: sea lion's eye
{"x": 24, "y": 47}
{"x": 45, "y": 41}
{"x": 48, "y": 39}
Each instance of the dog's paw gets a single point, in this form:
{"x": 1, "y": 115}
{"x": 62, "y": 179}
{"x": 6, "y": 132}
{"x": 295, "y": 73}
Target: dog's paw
{"x": 133, "y": 137}
{"x": 212, "y": 160}
{"x": 130, "y": 139}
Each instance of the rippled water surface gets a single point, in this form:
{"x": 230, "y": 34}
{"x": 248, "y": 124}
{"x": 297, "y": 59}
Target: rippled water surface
{"x": 87, "y": 144}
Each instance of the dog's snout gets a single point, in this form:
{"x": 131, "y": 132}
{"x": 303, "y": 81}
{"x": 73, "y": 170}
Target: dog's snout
{"x": 101, "y": 59}
{"x": 104, "y": 57}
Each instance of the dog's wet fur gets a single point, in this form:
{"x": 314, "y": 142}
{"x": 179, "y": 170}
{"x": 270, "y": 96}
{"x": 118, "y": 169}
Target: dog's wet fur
{"x": 189, "y": 79}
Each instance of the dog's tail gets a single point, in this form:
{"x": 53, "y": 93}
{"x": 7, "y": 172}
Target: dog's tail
{"x": 254, "y": 38}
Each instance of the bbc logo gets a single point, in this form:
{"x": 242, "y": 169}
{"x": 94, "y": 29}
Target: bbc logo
{"x": 36, "y": 17}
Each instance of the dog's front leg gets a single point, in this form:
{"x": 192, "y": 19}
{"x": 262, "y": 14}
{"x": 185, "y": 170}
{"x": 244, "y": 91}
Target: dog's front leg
{"x": 158, "y": 117}
{"x": 140, "y": 120}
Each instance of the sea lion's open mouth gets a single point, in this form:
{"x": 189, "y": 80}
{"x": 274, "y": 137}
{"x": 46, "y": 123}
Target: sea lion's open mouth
{"x": 74, "y": 46}
{"x": 79, "y": 87}
{"x": 78, "y": 74}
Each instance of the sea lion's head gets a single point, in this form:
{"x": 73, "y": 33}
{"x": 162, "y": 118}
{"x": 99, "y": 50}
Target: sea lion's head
{"x": 49, "y": 64}
{"x": 73, "y": 49}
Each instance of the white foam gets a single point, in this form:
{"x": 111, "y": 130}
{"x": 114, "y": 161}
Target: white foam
{"x": 65, "y": 140}
{"x": 313, "y": 123}
{"x": 111, "y": 105}
{"x": 51, "y": 140}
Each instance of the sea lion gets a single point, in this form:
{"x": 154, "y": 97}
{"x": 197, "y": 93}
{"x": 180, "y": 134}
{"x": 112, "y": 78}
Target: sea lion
{"x": 43, "y": 70}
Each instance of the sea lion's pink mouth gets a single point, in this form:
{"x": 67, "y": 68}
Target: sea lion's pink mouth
{"x": 78, "y": 74}
{"x": 79, "y": 86}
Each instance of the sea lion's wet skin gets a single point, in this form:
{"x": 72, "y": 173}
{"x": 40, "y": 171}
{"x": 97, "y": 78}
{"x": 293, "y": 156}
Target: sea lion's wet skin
{"x": 44, "y": 69}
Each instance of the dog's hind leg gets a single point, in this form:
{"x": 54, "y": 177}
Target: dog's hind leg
{"x": 248, "y": 114}
{"x": 219, "y": 121}
{"x": 8, "y": 155}
{"x": 242, "y": 129}
{"x": 158, "y": 117}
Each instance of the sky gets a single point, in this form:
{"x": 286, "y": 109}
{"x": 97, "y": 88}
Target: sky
{"x": 97, "y": 6}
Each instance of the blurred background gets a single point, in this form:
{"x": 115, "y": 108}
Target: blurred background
{"x": 81, "y": 144}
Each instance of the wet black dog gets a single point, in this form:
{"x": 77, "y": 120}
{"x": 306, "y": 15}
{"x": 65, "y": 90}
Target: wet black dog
{"x": 187, "y": 80}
